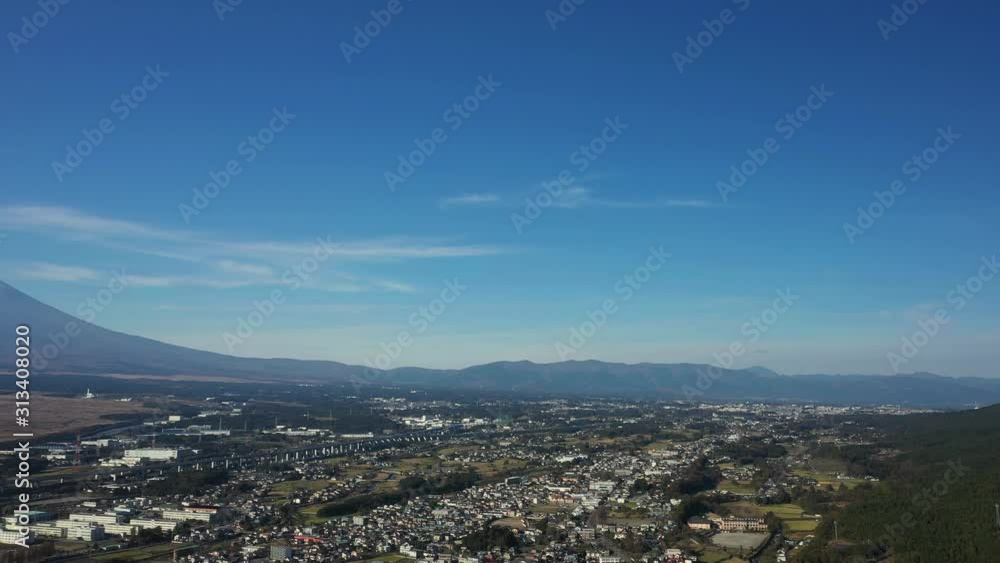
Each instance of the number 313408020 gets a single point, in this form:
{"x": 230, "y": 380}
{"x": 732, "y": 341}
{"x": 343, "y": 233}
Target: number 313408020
{"x": 22, "y": 362}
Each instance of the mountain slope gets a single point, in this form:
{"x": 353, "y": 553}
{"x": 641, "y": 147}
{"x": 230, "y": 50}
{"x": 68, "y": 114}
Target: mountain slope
{"x": 62, "y": 343}
{"x": 65, "y": 344}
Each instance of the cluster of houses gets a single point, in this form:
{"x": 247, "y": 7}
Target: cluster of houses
{"x": 568, "y": 498}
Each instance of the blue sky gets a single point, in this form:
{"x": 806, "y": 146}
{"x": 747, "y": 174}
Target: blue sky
{"x": 323, "y": 175}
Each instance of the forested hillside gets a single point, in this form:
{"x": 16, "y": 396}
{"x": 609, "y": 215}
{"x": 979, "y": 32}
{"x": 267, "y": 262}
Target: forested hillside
{"x": 938, "y": 502}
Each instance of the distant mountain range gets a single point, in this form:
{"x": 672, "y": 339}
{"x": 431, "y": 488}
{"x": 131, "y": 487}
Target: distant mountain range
{"x": 64, "y": 344}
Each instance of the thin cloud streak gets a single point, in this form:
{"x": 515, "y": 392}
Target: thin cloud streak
{"x": 44, "y": 271}
{"x": 575, "y": 197}
{"x": 233, "y": 267}
{"x": 41, "y": 217}
{"x": 578, "y": 197}
{"x": 63, "y": 221}
{"x": 248, "y": 263}
{"x": 469, "y": 199}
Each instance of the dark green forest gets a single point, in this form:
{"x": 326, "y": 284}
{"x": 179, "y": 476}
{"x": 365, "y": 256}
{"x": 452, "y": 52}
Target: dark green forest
{"x": 937, "y": 503}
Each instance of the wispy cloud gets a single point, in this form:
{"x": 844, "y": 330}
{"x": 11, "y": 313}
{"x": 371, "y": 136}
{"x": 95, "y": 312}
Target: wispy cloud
{"x": 45, "y": 271}
{"x": 579, "y": 197}
{"x": 311, "y": 308}
{"x": 189, "y": 245}
{"x": 395, "y": 286}
{"x": 194, "y": 281}
{"x": 576, "y": 197}
{"x": 226, "y": 263}
{"x": 54, "y": 272}
{"x": 469, "y": 199}
{"x": 700, "y": 203}
{"x": 72, "y": 221}
{"x": 233, "y": 267}
{"x": 395, "y": 248}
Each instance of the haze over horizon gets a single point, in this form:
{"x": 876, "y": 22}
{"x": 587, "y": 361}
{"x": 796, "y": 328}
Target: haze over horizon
{"x": 515, "y": 281}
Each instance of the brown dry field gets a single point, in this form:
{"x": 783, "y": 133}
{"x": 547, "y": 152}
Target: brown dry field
{"x": 208, "y": 378}
{"x": 176, "y": 377}
{"x": 50, "y": 414}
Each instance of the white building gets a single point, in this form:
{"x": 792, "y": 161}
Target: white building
{"x": 77, "y": 530}
{"x": 155, "y": 454}
{"x": 124, "y": 530}
{"x": 182, "y": 515}
{"x": 47, "y": 530}
{"x": 150, "y": 523}
{"x": 96, "y": 518}
{"x": 12, "y": 536}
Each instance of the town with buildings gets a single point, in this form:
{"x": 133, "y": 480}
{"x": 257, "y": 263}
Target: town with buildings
{"x": 421, "y": 479}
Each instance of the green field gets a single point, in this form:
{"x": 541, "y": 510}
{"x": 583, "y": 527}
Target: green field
{"x": 289, "y": 486}
{"x": 801, "y": 525}
{"x": 746, "y": 509}
{"x": 785, "y": 511}
{"x": 828, "y": 478}
{"x": 791, "y": 517}
{"x": 550, "y": 508}
{"x": 736, "y": 487}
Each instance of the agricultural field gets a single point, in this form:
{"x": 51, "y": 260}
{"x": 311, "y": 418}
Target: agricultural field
{"x": 746, "y": 509}
{"x": 289, "y": 486}
{"x": 492, "y": 469}
{"x": 66, "y": 415}
{"x": 660, "y": 445}
{"x": 824, "y": 478}
{"x": 550, "y": 508}
{"x": 310, "y": 513}
{"x": 737, "y": 487}
{"x": 791, "y": 518}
